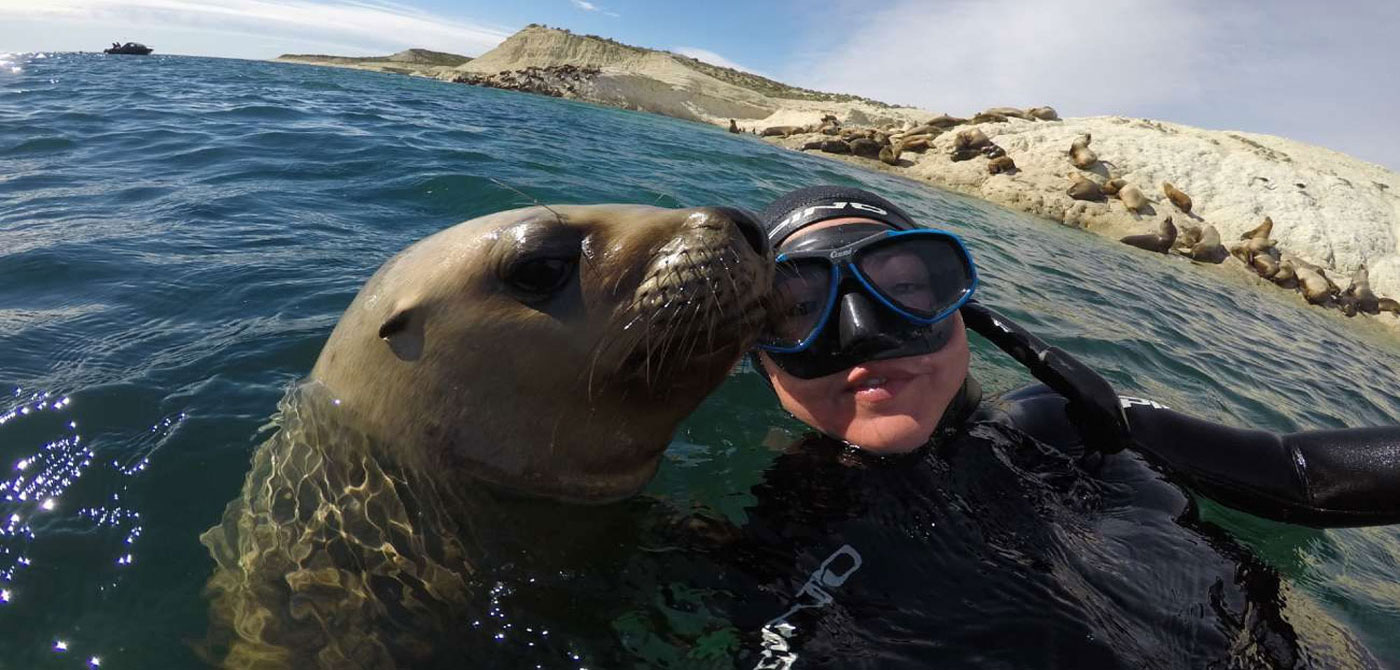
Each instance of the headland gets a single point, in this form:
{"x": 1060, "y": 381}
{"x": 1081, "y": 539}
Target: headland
{"x": 1329, "y": 214}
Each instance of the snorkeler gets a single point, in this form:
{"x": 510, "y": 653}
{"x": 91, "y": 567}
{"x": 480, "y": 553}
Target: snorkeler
{"x": 925, "y": 526}
{"x": 868, "y": 344}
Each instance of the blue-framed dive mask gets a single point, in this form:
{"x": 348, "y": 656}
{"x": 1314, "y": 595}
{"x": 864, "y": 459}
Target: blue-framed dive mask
{"x": 889, "y": 293}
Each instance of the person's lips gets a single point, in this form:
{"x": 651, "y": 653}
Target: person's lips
{"x": 880, "y": 381}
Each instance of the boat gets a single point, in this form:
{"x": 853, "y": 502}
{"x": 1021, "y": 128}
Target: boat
{"x": 130, "y": 48}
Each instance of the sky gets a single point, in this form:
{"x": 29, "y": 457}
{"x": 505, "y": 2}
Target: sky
{"x": 1319, "y": 72}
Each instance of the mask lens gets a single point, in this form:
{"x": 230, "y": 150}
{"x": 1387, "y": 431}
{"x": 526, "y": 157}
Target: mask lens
{"x": 924, "y": 275}
{"x": 801, "y": 291}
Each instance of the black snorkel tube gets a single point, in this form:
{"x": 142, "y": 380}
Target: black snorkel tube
{"x": 1093, "y": 404}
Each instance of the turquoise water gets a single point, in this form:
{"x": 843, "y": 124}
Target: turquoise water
{"x": 179, "y": 235}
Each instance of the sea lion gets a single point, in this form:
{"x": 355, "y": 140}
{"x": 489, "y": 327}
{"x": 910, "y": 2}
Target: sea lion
{"x": 830, "y": 129}
{"x": 1159, "y": 242}
{"x": 1181, "y": 200}
{"x": 1262, "y": 230}
{"x": 991, "y": 150}
{"x": 543, "y": 352}
{"x": 1388, "y": 305}
{"x": 1360, "y": 289}
{"x": 1043, "y": 113}
{"x": 781, "y": 131}
{"x": 889, "y": 154}
{"x": 917, "y": 143}
{"x": 931, "y": 131}
{"x": 1085, "y": 189}
{"x": 1080, "y": 154}
{"x": 1314, "y": 285}
{"x": 734, "y": 127}
{"x": 1285, "y": 277}
{"x": 1010, "y": 112}
{"x": 866, "y": 147}
{"x": 1187, "y": 236}
{"x": 814, "y": 145}
{"x": 1265, "y": 264}
{"x": 945, "y": 122}
{"x": 1132, "y": 198}
{"x": 972, "y": 138}
{"x": 1113, "y": 186}
{"x": 836, "y": 147}
{"x": 988, "y": 117}
{"x": 1208, "y": 249}
{"x": 1001, "y": 164}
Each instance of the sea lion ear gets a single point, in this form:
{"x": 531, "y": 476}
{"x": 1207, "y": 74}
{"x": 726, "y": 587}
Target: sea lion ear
{"x": 403, "y": 331}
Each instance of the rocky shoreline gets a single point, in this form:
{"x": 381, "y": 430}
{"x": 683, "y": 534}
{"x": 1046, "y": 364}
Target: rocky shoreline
{"x": 1335, "y": 220}
{"x": 1285, "y": 212}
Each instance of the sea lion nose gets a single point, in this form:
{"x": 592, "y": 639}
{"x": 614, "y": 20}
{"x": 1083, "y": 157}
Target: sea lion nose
{"x": 748, "y": 226}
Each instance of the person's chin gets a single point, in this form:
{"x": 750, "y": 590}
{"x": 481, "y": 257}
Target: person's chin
{"x": 892, "y": 435}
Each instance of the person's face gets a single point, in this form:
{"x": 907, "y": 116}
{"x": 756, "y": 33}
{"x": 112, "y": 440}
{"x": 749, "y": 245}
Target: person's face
{"x": 891, "y": 405}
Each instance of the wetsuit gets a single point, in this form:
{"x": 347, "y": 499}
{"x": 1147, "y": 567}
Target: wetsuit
{"x": 1000, "y": 545}
{"x": 1021, "y": 537}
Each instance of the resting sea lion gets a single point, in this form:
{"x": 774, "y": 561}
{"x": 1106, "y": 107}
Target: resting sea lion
{"x": 988, "y": 117}
{"x": 1262, "y": 230}
{"x": 1314, "y": 285}
{"x": 889, "y": 154}
{"x": 915, "y": 143}
{"x": 1187, "y": 236}
{"x": 1011, "y": 112}
{"x": 1160, "y": 242}
{"x": 1208, "y": 249}
{"x": 1285, "y": 276}
{"x": 972, "y": 138}
{"x": 1084, "y": 189}
{"x": 1132, "y": 198}
{"x": 836, "y": 147}
{"x": 1043, "y": 113}
{"x": 864, "y": 146}
{"x": 781, "y": 131}
{"x": 1080, "y": 154}
{"x": 543, "y": 352}
{"x": 944, "y": 121}
{"x": 1000, "y": 164}
{"x": 1388, "y": 305}
{"x": 1113, "y": 186}
{"x": 1181, "y": 200}
{"x": 1265, "y": 264}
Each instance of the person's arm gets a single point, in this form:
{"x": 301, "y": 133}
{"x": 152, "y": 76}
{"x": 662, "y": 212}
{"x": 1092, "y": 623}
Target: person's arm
{"x": 1323, "y": 478}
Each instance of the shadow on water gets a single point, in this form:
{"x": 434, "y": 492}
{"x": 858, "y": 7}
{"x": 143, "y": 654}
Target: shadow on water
{"x": 181, "y": 235}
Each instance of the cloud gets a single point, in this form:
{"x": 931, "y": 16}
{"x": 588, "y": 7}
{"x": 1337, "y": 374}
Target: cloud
{"x": 356, "y": 25}
{"x": 1290, "y": 67}
{"x": 590, "y": 7}
{"x": 713, "y": 59}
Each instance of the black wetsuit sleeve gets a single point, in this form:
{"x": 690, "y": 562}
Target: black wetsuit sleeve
{"x": 1322, "y": 478}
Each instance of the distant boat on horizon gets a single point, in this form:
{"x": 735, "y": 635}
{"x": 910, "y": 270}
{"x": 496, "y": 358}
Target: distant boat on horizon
{"x": 130, "y": 48}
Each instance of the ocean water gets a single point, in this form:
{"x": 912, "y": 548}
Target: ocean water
{"x": 179, "y": 235}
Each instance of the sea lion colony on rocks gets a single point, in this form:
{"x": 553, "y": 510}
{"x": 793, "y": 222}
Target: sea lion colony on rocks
{"x": 1092, "y": 179}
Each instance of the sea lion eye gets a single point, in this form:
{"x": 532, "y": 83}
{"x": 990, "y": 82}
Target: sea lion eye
{"x": 540, "y": 276}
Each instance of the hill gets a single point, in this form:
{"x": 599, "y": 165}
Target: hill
{"x": 420, "y": 62}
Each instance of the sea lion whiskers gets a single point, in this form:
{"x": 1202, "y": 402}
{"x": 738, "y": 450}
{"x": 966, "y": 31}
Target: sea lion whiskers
{"x": 533, "y": 200}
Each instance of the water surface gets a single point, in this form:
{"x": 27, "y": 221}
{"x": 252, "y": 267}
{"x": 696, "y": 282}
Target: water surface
{"x": 179, "y": 235}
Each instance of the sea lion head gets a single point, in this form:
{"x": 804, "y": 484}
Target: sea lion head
{"x": 548, "y": 350}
